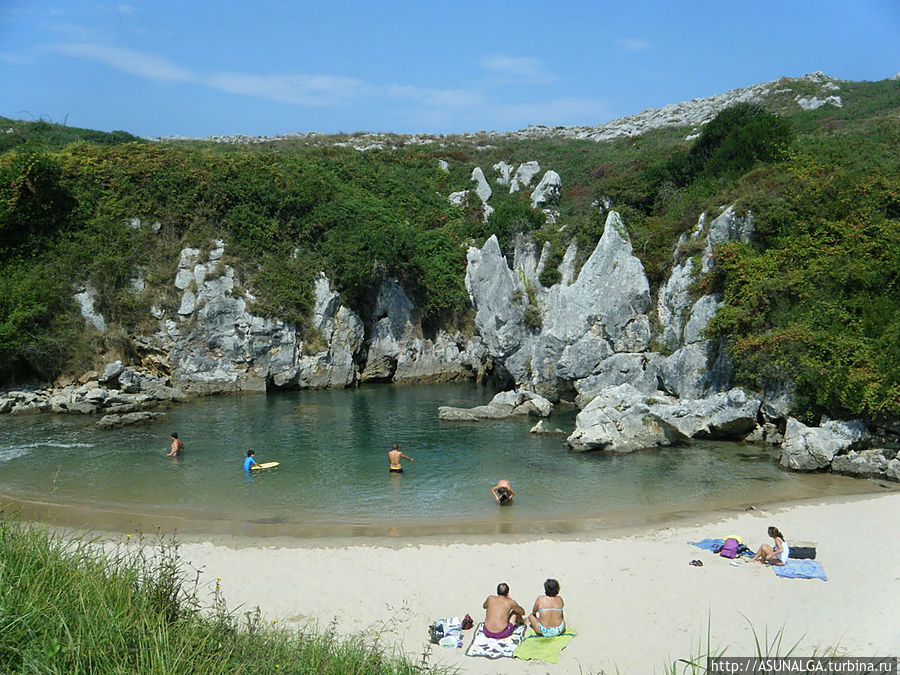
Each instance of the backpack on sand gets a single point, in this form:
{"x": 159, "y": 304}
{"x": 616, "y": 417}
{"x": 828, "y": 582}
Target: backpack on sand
{"x": 729, "y": 548}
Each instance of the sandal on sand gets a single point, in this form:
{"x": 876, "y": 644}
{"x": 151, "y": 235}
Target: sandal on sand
{"x": 697, "y": 563}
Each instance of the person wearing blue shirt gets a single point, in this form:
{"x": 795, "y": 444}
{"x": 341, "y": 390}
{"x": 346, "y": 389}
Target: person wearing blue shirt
{"x": 250, "y": 462}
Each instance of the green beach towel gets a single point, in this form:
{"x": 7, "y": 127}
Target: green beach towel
{"x": 533, "y": 646}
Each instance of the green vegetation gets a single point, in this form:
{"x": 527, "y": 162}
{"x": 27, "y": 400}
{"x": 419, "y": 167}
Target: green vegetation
{"x": 812, "y": 300}
{"x": 74, "y": 606}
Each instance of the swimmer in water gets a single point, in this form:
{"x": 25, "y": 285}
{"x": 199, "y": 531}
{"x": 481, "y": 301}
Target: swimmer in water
{"x": 503, "y": 492}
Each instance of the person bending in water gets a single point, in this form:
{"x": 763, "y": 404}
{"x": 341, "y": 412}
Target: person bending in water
{"x": 773, "y": 556}
{"x": 547, "y": 614}
{"x": 503, "y": 614}
{"x": 503, "y": 492}
{"x": 177, "y": 447}
{"x": 250, "y": 462}
{"x": 394, "y": 457}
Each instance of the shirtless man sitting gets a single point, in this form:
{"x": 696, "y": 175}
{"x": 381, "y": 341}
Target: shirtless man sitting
{"x": 394, "y": 457}
{"x": 503, "y": 492}
{"x": 503, "y": 614}
{"x": 547, "y": 614}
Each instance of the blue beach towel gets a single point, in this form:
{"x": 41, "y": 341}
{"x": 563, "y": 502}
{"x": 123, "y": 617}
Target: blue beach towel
{"x": 708, "y": 544}
{"x": 714, "y": 545}
{"x": 801, "y": 569}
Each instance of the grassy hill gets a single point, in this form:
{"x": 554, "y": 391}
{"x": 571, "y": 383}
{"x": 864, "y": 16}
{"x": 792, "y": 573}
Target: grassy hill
{"x": 813, "y": 299}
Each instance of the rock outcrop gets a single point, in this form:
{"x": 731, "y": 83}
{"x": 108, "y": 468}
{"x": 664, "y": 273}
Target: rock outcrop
{"x": 811, "y": 448}
{"x": 504, "y": 405}
{"x": 608, "y": 300}
{"x": 86, "y": 297}
{"x": 547, "y": 190}
{"x": 213, "y": 342}
{"x": 397, "y": 352}
{"x": 525, "y": 173}
{"x": 128, "y": 419}
{"x": 119, "y": 390}
{"x": 624, "y": 419}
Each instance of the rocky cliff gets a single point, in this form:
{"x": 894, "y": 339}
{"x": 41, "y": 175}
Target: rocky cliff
{"x": 640, "y": 368}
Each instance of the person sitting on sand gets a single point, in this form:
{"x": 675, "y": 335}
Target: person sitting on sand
{"x": 394, "y": 457}
{"x": 503, "y": 614}
{"x": 546, "y": 616}
{"x": 177, "y": 447}
{"x": 250, "y": 461}
{"x": 777, "y": 555}
{"x": 503, "y": 492}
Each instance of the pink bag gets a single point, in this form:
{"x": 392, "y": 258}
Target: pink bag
{"x": 729, "y": 548}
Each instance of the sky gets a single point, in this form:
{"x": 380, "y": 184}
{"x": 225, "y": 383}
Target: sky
{"x": 197, "y": 68}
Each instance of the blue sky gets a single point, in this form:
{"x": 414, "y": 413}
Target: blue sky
{"x": 267, "y": 67}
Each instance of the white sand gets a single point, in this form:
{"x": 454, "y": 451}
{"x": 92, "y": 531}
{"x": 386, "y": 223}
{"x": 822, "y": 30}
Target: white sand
{"x": 633, "y": 599}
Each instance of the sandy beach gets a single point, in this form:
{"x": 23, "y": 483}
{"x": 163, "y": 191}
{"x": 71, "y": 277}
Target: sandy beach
{"x": 632, "y": 597}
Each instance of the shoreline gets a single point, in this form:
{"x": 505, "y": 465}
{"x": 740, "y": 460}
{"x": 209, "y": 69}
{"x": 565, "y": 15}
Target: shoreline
{"x": 110, "y": 522}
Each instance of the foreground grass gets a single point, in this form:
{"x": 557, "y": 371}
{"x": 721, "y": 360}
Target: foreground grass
{"x": 72, "y": 606}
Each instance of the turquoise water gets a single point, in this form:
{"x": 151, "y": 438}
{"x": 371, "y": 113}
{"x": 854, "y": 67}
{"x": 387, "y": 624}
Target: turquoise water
{"x": 333, "y": 477}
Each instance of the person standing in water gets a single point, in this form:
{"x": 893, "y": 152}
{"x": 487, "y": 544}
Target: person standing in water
{"x": 177, "y": 446}
{"x": 394, "y": 457}
{"x": 250, "y": 461}
{"x": 503, "y": 492}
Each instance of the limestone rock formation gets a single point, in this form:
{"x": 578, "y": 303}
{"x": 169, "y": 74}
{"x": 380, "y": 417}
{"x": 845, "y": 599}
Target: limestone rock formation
{"x": 398, "y": 352}
{"x": 641, "y": 371}
{"x": 810, "y": 448}
{"x": 504, "y": 405}
{"x": 547, "y": 190}
{"x": 871, "y": 462}
{"x": 525, "y": 173}
{"x": 609, "y": 299}
{"x": 218, "y": 345}
{"x": 541, "y": 428}
{"x": 128, "y": 419}
{"x": 726, "y": 415}
{"x": 332, "y": 363}
{"x": 498, "y": 300}
{"x": 697, "y": 366}
{"x": 618, "y": 420}
{"x": 86, "y": 298}
{"x": 505, "y": 172}
{"x": 482, "y": 189}
{"x": 624, "y": 419}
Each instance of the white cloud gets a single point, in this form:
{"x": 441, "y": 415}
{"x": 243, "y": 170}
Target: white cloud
{"x": 15, "y": 59}
{"x": 294, "y": 89}
{"x": 311, "y": 90}
{"x": 517, "y": 68}
{"x": 441, "y": 98}
{"x": 129, "y": 61}
{"x": 634, "y": 44}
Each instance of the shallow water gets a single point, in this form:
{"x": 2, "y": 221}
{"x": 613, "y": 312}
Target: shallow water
{"x": 333, "y": 477}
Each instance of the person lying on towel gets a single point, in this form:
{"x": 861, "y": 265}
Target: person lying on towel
{"x": 546, "y": 616}
{"x": 503, "y": 614}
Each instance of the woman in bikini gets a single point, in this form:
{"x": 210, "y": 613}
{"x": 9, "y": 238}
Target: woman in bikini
{"x": 546, "y": 616}
{"x": 774, "y": 556}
